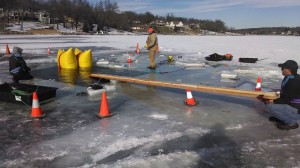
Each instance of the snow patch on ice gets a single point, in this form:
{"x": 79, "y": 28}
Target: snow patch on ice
{"x": 3, "y": 119}
{"x": 52, "y": 156}
{"x": 158, "y": 116}
{"x": 116, "y": 66}
{"x": 4, "y": 63}
{"x": 196, "y": 132}
{"x": 12, "y": 163}
{"x": 48, "y": 157}
{"x": 110, "y": 88}
{"x": 248, "y": 148}
{"x": 235, "y": 127}
{"x": 191, "y": 64}
{"x": 243, "y": 71}
{"x": 129, "y": 143}
{"x": 43, "y": 60}
{"x": 102, "y": 62}
{"x": 167, "y": 50}
{"x": 176, "y": 159}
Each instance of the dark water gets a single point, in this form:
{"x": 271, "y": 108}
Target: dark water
{"x": 71, "y": 135}
{"x": 80, "y": 77}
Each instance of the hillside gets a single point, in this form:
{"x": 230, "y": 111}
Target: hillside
{"x": 270, "y": 31}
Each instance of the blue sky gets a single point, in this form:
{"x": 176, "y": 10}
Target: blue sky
{"x": 235, "y": 13}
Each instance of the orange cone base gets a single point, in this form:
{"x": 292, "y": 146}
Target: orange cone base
{"x": 111, "y": 114}
{"x": 196, "y": 102}
{"x": 42, "y": 116}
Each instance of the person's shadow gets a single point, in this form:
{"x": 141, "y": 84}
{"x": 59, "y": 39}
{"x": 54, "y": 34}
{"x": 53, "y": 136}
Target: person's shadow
{"x": 218, "y": 150}
{"x": 214, "y": 149}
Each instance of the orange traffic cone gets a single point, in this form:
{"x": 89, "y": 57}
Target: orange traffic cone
{"x": 7, "y": 50}
{"x": 49, "y": 52}
{"x": 157, "y": 50}
{"x": 190, "y": 100}
{"x": 137, "y": 50}
{"x": 129, "y": 58}
{"x": 258, "y": 84}
{"x": 104, "y": 109}
{"x": 36, "y": 110}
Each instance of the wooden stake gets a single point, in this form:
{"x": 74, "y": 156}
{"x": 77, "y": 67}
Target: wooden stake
{"x": 200, "y": 88}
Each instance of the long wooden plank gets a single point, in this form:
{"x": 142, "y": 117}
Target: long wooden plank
{"x": 201, "y": 88}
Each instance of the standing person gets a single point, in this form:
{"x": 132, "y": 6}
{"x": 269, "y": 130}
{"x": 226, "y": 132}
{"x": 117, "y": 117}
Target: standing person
{"x": 286, "y": 116}
{"x": 18, "y": 67}
{"x": 151, "y": 45}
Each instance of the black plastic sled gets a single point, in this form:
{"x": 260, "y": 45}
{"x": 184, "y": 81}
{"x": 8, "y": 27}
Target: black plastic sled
{"x": 217, "y": 57}
{"x": 22, "y": 93}
{"x": 248, "y": 60}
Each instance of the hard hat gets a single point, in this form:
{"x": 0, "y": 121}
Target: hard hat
{"x": 150, "y": 30}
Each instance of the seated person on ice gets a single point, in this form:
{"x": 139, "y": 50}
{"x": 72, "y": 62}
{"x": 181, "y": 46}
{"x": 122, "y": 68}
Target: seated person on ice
{"x": 18, "y": 67}
{"x": 286, "y": 118}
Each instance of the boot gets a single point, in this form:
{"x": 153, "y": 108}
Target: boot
{"x": 150, "y": 67}
{"x": 274, "y": 119}
{"x": 15, "y": 80}
{"x": 287, "y": 126}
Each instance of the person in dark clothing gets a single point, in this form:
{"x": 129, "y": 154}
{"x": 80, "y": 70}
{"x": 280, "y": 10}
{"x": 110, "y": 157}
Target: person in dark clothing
{"x": 18, "y": 67}
{"x": 286, "y": 116}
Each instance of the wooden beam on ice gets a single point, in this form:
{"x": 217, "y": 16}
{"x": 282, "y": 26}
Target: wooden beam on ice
{"x": 200, "y": 88}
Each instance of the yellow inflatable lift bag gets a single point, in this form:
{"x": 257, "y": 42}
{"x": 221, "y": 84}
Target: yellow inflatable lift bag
{"x": 85, "y": 60}
{"x": 77, "y": 52}
{"x": 59, "y": 52}
{"x": 67, "y": 60}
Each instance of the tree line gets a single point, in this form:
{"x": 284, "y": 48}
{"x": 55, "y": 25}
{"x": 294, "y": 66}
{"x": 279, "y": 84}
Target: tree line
{"x": 270, "y": 31}
{"x": 104, "y": 13}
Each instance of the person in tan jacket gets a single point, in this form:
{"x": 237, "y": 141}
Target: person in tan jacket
{"x": 152, "y": 45}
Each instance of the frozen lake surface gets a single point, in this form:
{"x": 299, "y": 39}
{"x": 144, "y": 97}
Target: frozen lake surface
{"x": 152, "y": 127}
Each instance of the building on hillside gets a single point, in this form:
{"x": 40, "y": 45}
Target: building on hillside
{"x": 160, "y": 23}
{"x": 177, "y": 24}
{"x": 194, "y": 26}
{"x": 167, "y": 24}
{"x": 1, "y": 12}
{"x": 136, "y": 25}
{"x": 18, "y": 14}
{"x": 14, "y": 15}
{"x": 42, "y": 16}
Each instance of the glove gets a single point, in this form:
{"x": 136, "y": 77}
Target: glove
{"x": 262, "y": 99}
{"x": 26, "y": 69}
{"x": 146, "y": 46}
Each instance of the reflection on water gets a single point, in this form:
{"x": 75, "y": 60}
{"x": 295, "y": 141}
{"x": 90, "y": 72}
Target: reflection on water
{"x": 103, "y": 125}
{"x": 84, "y": 75}
{"x": 75, "y": 76}
{"x": 81, "y": 76}
{"x": 151, "y": 77}
{"x": 68, "y": 76}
